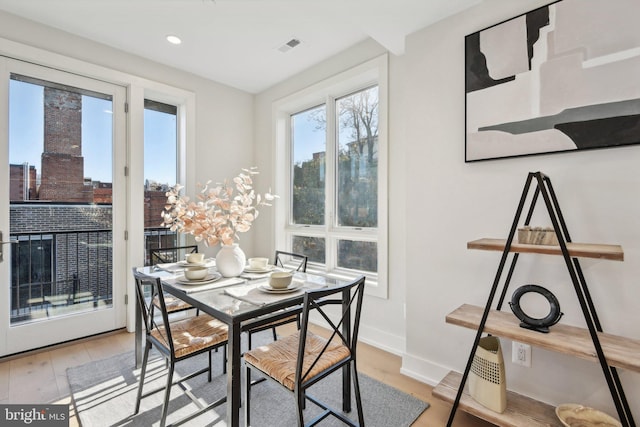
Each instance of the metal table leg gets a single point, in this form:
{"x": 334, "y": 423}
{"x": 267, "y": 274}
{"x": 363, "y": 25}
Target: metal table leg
{"x": 233, "y": 376}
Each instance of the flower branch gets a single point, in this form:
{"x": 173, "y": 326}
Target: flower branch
{"x": 218, "y": 215}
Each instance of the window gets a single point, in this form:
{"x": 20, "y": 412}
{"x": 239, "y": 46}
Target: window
{"x": 160, "y": 171}
{"x": 333, "y": 138}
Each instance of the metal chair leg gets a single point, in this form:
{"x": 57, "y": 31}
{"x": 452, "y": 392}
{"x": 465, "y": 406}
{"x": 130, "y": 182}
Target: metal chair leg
{"x": 247, "y": 395}
{"x": 300, "y": 405}
{"x": 210, "y": 363}
{"x": 356, "y": 390}
{"x": 167, "y": 394}
{"x": 143, "y": 371}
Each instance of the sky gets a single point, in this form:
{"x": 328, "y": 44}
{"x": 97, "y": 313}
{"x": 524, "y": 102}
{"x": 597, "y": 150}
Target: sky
{"x": 26, "y": 135}
{"x": 307, "y": 138}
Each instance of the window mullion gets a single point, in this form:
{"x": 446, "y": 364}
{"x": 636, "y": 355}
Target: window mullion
{"x": 331, "y": 200}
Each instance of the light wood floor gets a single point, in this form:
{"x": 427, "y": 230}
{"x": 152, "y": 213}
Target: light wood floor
{"x": 40, "y": 376}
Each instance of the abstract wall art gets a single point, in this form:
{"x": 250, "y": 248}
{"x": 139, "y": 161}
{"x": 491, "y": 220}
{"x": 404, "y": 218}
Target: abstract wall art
{"x": 560, "y": 78}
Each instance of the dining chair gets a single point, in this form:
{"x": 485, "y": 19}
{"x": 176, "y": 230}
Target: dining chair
{"x": 303, "y": 358}
{"x": 169, "y": 255}
{"x": 297, "y": 262}
{"x": 176, "y": 341}
{"x": 290, "y": 259}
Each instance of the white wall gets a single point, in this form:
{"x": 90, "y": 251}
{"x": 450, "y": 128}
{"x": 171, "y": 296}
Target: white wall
{"x": 438, "y": 203}
{"x": 450, "y": 203}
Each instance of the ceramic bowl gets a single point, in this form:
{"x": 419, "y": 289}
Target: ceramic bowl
{"x": 258, "y": 263}
{"x": 194, "y": 258}
{"x": 195, "y": 273}
{"x": 280, "y": 279}
{"x": 575, "y": 415}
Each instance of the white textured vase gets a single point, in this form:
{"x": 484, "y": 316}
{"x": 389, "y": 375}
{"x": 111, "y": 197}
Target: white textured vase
{"x": 230, "y": 260}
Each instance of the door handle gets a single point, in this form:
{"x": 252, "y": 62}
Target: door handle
{"x": 4, "y": 243}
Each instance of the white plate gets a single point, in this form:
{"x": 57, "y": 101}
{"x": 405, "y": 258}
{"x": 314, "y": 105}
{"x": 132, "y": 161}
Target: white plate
{"x": 211, "y": 277}
{"x": 191, "y": 264}
{"x": 291, "y": 288}
{"x": 267, "y": 269}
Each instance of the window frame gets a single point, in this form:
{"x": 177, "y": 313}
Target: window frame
{"x": 371, "y": 73}
{"x": 137, "y": 89}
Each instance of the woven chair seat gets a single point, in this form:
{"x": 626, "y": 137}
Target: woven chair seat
{"x": 173, "y": 304}
{"x": 194, "y": 334}
{"x": 278, "y": 359}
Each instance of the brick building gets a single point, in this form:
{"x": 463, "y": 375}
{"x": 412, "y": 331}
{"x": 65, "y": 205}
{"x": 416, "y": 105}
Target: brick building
{"x": 62, "y": 162}
{"x": 22, "y": 182}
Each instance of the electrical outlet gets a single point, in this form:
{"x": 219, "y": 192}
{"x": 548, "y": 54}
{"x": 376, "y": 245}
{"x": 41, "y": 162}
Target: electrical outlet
{"x": 521, "y": 354}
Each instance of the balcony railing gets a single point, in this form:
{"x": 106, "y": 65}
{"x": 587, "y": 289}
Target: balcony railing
{"x": 158, "y": 238}
{"x": 57, "y": 273}
{"x": 60, "y": 272}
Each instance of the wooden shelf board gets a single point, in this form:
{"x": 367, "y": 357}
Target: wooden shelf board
{"x": 521, "y": 411}
{"x": 583, "y": 250}
{"x": 620, "y": 352}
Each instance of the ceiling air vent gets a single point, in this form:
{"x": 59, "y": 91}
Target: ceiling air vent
{"x": 289, "y": 45}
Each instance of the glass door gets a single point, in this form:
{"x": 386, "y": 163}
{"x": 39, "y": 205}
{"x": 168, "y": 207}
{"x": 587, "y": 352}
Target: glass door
{"x": 64, "y": 151}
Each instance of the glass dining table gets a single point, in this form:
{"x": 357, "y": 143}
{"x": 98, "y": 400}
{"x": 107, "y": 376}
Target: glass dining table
{"x": 237, "y": 301}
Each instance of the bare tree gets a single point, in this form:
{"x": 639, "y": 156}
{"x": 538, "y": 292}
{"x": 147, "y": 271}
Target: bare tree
{"x": 359, "y": 112}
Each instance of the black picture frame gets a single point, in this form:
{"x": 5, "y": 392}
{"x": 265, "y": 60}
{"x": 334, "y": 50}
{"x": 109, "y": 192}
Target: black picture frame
{"x": 559, "y": 78}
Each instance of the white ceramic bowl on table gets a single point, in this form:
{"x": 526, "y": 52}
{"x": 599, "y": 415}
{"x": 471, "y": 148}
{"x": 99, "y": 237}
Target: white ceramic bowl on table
{"x": 280, "y": 279}
{"x": 258, "y": 263}
{"x": 194, "y": 258}
{"x": 195, "y": 273}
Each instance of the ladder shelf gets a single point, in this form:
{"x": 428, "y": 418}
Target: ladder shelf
{"x": 590, "y": 343}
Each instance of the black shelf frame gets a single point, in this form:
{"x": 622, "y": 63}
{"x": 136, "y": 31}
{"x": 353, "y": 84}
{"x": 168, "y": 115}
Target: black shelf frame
{"x": 544, "y": 187}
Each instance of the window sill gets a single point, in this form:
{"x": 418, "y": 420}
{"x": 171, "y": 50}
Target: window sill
{"x": 372, "y": 286}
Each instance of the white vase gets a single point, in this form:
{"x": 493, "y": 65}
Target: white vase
{"x": 230, "y": 260}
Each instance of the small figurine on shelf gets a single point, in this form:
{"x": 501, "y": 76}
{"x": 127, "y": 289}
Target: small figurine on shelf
{"x": 535, "y": 324}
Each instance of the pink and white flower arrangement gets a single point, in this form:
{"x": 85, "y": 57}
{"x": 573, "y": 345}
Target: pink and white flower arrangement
{"x": 217, "y": 216}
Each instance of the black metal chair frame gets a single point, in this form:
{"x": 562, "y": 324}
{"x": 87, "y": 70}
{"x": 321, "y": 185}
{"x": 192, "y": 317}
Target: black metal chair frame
{"x": 157, "y": 254}
{"x": 166, "y": 349}
{"x": 302, "y": 266}
{"x": 314, "y": 301}
{"x": 271, "y": 321}
{"x": 157, "y": 258}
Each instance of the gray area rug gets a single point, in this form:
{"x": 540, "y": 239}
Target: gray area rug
{"x": 104, "y": 394}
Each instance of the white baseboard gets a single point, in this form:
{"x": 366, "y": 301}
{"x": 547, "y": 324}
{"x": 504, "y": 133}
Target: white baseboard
{"x": 423, "y": 370}
{"x": 383, "y": 340}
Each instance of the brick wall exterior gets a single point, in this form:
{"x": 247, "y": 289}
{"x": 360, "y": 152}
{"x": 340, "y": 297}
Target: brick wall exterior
{"x": 17, "y": 189}
{"x": 62, "y": 122}
{"x": 62, "y": 161}
{"x": 49, "y": 218}
{"x": 79, "y": 250}
{"x": 154, "y": 202}
{"x": 102, "y": 193}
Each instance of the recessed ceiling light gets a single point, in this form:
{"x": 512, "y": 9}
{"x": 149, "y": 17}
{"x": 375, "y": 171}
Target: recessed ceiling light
{"x": 174, "y": 39}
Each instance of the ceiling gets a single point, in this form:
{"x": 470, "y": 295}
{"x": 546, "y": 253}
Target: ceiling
{"x": 238, "y": 42}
